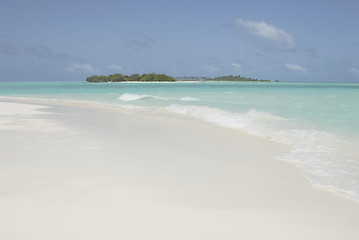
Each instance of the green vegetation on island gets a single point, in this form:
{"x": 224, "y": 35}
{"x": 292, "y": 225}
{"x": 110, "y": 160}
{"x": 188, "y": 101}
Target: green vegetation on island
{"x": 151, "y": 77}
{"x": 237, "y": 78}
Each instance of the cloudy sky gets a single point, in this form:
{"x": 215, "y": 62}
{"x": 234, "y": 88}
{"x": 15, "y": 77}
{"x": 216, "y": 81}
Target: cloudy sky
{"x": 306, "y": 40}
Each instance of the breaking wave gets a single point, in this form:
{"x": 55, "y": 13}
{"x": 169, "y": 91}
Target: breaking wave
{"x": 327, "y": 160}
{"x": 189, "y": 99}
{"x": 129, "y": 97}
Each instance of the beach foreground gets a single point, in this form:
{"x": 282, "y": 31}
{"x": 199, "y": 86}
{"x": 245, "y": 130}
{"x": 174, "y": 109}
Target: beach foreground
{"x": 79, "y": 172}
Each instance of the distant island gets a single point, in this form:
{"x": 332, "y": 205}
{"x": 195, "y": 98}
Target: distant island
{"x": 153, "y": 77}
{"x": 237, "y": 78}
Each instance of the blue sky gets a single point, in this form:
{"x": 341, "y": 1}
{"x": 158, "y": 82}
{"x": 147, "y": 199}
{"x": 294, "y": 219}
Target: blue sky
{"x": 304, "y": 40}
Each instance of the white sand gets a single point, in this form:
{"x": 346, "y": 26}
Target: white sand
{"x": 70, "y": 172}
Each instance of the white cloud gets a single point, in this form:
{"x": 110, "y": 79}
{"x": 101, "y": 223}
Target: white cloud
{"x": 269, "y": 32}
{"x": 115, "y": 67}
{"x": 236, "y": 65}
{"x": 355, "y": 71}
{"x": 82, "y": 68}
{"x": 297, "y": 68}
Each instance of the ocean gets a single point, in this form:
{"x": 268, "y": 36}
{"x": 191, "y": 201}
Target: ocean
{"x": 320, "y": 121}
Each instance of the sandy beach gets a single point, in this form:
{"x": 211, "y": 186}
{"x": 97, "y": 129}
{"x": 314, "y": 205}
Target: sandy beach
{"x": 80, "y": 172}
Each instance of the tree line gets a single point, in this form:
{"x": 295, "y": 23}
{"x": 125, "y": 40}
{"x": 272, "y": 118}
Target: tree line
{"x": 221, "y": 78}
{"x": 235, "y": 78}
{"x": 151, "y": 77}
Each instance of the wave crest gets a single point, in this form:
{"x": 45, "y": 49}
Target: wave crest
{"x": 129, "y": 97}
{"x": 253, "y": 122}
{"x": 189, "y": 99}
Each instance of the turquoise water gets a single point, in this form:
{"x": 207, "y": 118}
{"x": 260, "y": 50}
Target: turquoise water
{"x": 319, "y": 120}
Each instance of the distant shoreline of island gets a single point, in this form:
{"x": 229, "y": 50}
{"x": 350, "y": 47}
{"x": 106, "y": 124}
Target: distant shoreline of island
{"x": 229, "y": 78}
{"x": 153, "y": 77}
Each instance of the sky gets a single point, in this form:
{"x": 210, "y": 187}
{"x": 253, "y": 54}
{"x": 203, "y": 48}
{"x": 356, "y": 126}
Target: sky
{"x": 306, "y": 40}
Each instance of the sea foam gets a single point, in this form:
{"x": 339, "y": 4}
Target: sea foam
{"x": 189, "y": 99}
{"x": 323, "y": 156}
{"x": 251, "y": 122}
{"x": 128, "y": 97}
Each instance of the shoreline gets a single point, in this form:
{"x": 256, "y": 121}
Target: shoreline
{"x": 154, "y": 173}
{"x": 142, "y": 112}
